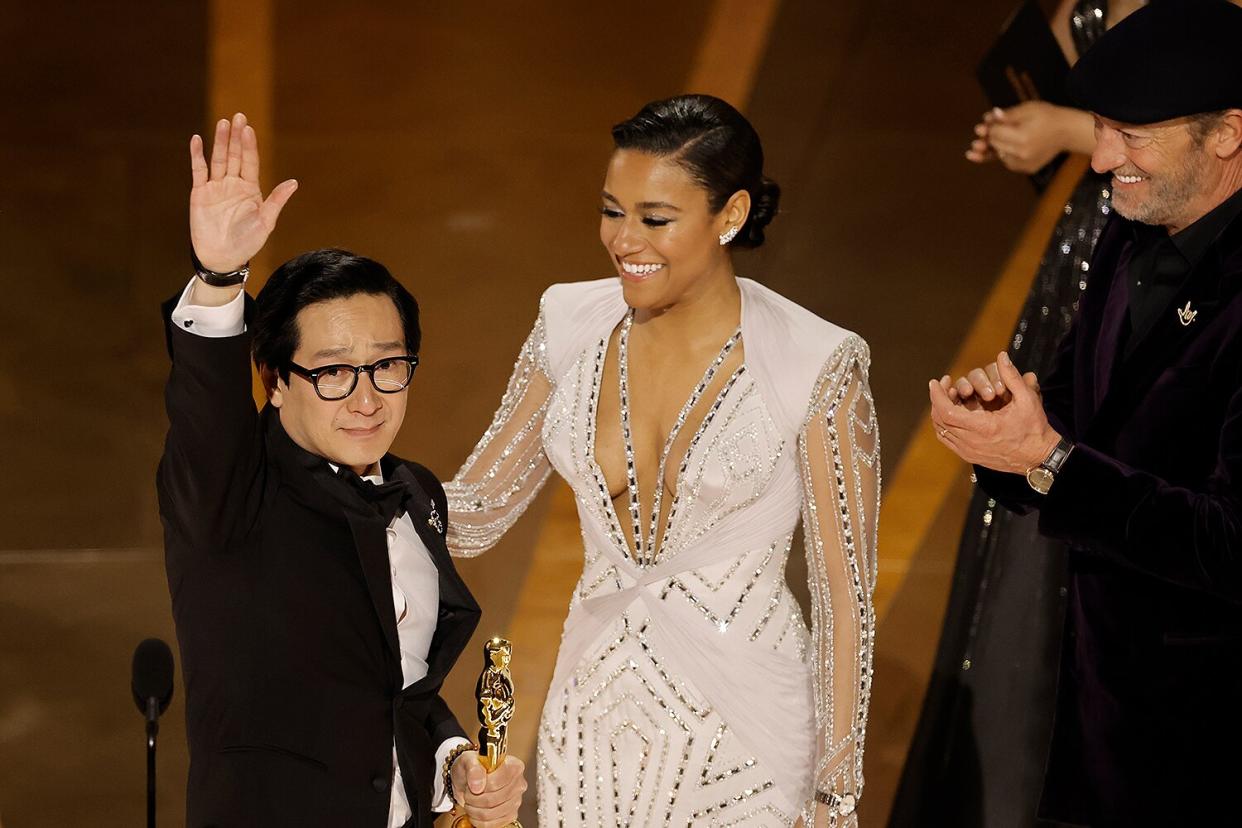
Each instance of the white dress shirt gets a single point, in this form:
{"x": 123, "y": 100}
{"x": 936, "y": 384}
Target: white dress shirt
{"x": 415, "y": 579}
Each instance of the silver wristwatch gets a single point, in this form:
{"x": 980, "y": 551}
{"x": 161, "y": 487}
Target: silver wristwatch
{"x": 1042, "y": 477}
{"x": 841, "y": 805}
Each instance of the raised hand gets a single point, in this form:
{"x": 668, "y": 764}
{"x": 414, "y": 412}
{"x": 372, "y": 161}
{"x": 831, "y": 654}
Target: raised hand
{"x": 229, "y": 218}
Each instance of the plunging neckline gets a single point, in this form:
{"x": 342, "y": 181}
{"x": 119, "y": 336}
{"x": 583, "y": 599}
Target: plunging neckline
{"x": 648, "y": 552}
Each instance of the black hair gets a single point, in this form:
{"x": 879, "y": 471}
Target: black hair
{"x": 319, "y": 276}
{"x": 716, "y": 145}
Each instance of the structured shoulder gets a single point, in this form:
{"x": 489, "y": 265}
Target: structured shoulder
{"x": 789, "y": 348}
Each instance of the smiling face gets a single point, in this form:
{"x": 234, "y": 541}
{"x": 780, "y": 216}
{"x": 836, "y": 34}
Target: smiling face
{"x": 1161, "y": 172}
{"x": 358, "y": 430}
{"x": 660, "y": 230}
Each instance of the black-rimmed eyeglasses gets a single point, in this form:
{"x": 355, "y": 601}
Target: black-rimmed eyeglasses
{"x": 336, "y": 382}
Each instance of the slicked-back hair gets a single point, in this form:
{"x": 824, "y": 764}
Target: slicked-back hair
{"x": 716, "y": 146}
{"x": 319, "y": 276}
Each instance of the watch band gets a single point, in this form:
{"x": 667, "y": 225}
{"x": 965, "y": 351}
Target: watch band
{"x": 839, "y": 804}
{"x": 216, "y": 279}
{"x": 1057, "y": 457}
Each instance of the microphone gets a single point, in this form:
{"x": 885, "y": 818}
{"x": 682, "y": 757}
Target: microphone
{"x": 152, "y": 682}
{"x": 152, "y": 686}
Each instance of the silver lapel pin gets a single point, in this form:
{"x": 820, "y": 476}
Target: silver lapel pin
{"x": 1186, "y": 315}
{"x": 434, "y": 520}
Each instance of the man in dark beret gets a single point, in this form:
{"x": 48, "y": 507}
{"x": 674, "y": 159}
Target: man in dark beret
{"x": 1132, "y": 448}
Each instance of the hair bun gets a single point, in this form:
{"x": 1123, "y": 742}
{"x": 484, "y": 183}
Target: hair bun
{"x": 765, "y": 203}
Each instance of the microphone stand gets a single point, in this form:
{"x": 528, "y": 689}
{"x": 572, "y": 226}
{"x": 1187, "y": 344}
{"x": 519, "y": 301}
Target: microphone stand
{"x": 153, "y": 729}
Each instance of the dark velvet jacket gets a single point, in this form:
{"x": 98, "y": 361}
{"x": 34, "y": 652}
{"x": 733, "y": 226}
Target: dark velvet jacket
{"x": 1149, "y": 711}
{"x": 282, "y": 598}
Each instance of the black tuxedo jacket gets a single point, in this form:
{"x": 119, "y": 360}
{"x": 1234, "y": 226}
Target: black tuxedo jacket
{"x": 1149, "y": 711}
{"x": 282, "y": 598}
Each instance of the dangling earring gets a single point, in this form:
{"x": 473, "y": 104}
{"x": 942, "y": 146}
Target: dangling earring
{"x": 728, "y": 235}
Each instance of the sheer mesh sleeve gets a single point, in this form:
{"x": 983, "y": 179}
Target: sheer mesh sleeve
{"x": 840, "y": 466}
{"x": 508, "y": 467}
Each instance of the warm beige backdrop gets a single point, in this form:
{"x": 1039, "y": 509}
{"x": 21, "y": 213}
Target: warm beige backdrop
{"x": 463, "y": 145}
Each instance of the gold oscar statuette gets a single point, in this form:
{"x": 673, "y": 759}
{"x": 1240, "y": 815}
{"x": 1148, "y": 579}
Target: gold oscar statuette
{"x": 495, "y": 699}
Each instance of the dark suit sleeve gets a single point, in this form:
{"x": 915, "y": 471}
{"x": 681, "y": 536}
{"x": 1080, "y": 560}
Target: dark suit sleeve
{"x": 442, "y": 724}
{"x": 212, "y": 454}
{"x": 1191, "y": 537}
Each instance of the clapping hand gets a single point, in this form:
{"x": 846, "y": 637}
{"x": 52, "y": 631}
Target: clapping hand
{"x": 229, "y": 218}
{"x": 983, "y": 388}
{"x": 993, "y": 417}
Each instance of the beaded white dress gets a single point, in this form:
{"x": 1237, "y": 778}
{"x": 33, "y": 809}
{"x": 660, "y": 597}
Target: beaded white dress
{"x": 688, "y": 690}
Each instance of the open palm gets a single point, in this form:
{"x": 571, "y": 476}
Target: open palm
{"x": 229, "y": 218}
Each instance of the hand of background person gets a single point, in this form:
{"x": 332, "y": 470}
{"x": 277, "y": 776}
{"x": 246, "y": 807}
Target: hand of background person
{"x": 983, "y": 388}
{"x": 1024, "y": 137}
{"x": 491, "y": 800}
{"x": 229, "y": 218}
{"x": 1013, "y": 437}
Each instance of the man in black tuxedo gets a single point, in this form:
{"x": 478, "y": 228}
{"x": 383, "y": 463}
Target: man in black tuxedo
{"x": 316, "y": 606}
{"x": 1132, "y": 449}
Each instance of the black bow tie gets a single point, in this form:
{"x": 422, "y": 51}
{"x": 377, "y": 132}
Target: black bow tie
{"x": 389, "y": 499}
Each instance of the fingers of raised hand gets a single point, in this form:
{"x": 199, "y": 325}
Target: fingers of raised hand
{"x": 198, "y": 164}
{"x": 220, "y": 150}
{"x": 237, "y": 128}
{"x": 1032, "y": 381}
{"x": 249, "y": 155}
{"x": 276, "y": 200}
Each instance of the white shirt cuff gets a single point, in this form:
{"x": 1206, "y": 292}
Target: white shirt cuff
{"x": 226, "y": 320}
{"x": 440, "y": 798}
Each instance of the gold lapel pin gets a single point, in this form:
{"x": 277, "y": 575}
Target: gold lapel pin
{"x": 1186, "y": 315}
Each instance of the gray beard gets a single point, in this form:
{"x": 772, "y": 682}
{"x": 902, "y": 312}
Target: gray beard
{"x": 1170, "y": 193}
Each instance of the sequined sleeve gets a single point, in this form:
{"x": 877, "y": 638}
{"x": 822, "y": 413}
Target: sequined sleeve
{"x": 508, "y": 467}
{"x": 840, "y": 468}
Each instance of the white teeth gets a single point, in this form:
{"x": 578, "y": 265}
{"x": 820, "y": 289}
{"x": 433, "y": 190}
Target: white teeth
{"x": 640, "y": 269}
{"x": 1129, "y": 179}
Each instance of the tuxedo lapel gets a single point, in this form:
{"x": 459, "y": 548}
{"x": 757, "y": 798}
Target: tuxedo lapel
{"x": 459, "y": 613}
{"x": 310, "y": 479}
{"x": 371, "y": 544}
{"x": 1113, "y": 327}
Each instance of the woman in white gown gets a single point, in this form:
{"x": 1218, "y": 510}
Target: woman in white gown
{"x": 696, "y": 415}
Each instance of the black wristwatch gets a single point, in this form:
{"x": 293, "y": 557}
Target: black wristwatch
{"x": 215, "y": 279}
{"x": 1042, "y": 477}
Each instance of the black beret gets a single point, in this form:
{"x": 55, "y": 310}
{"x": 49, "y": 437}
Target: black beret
{"x": 1167, "y": 60}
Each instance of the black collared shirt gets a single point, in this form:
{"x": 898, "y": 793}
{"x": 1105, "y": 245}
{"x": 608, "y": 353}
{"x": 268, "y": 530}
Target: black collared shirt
{"x": 1161, "y": 263}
